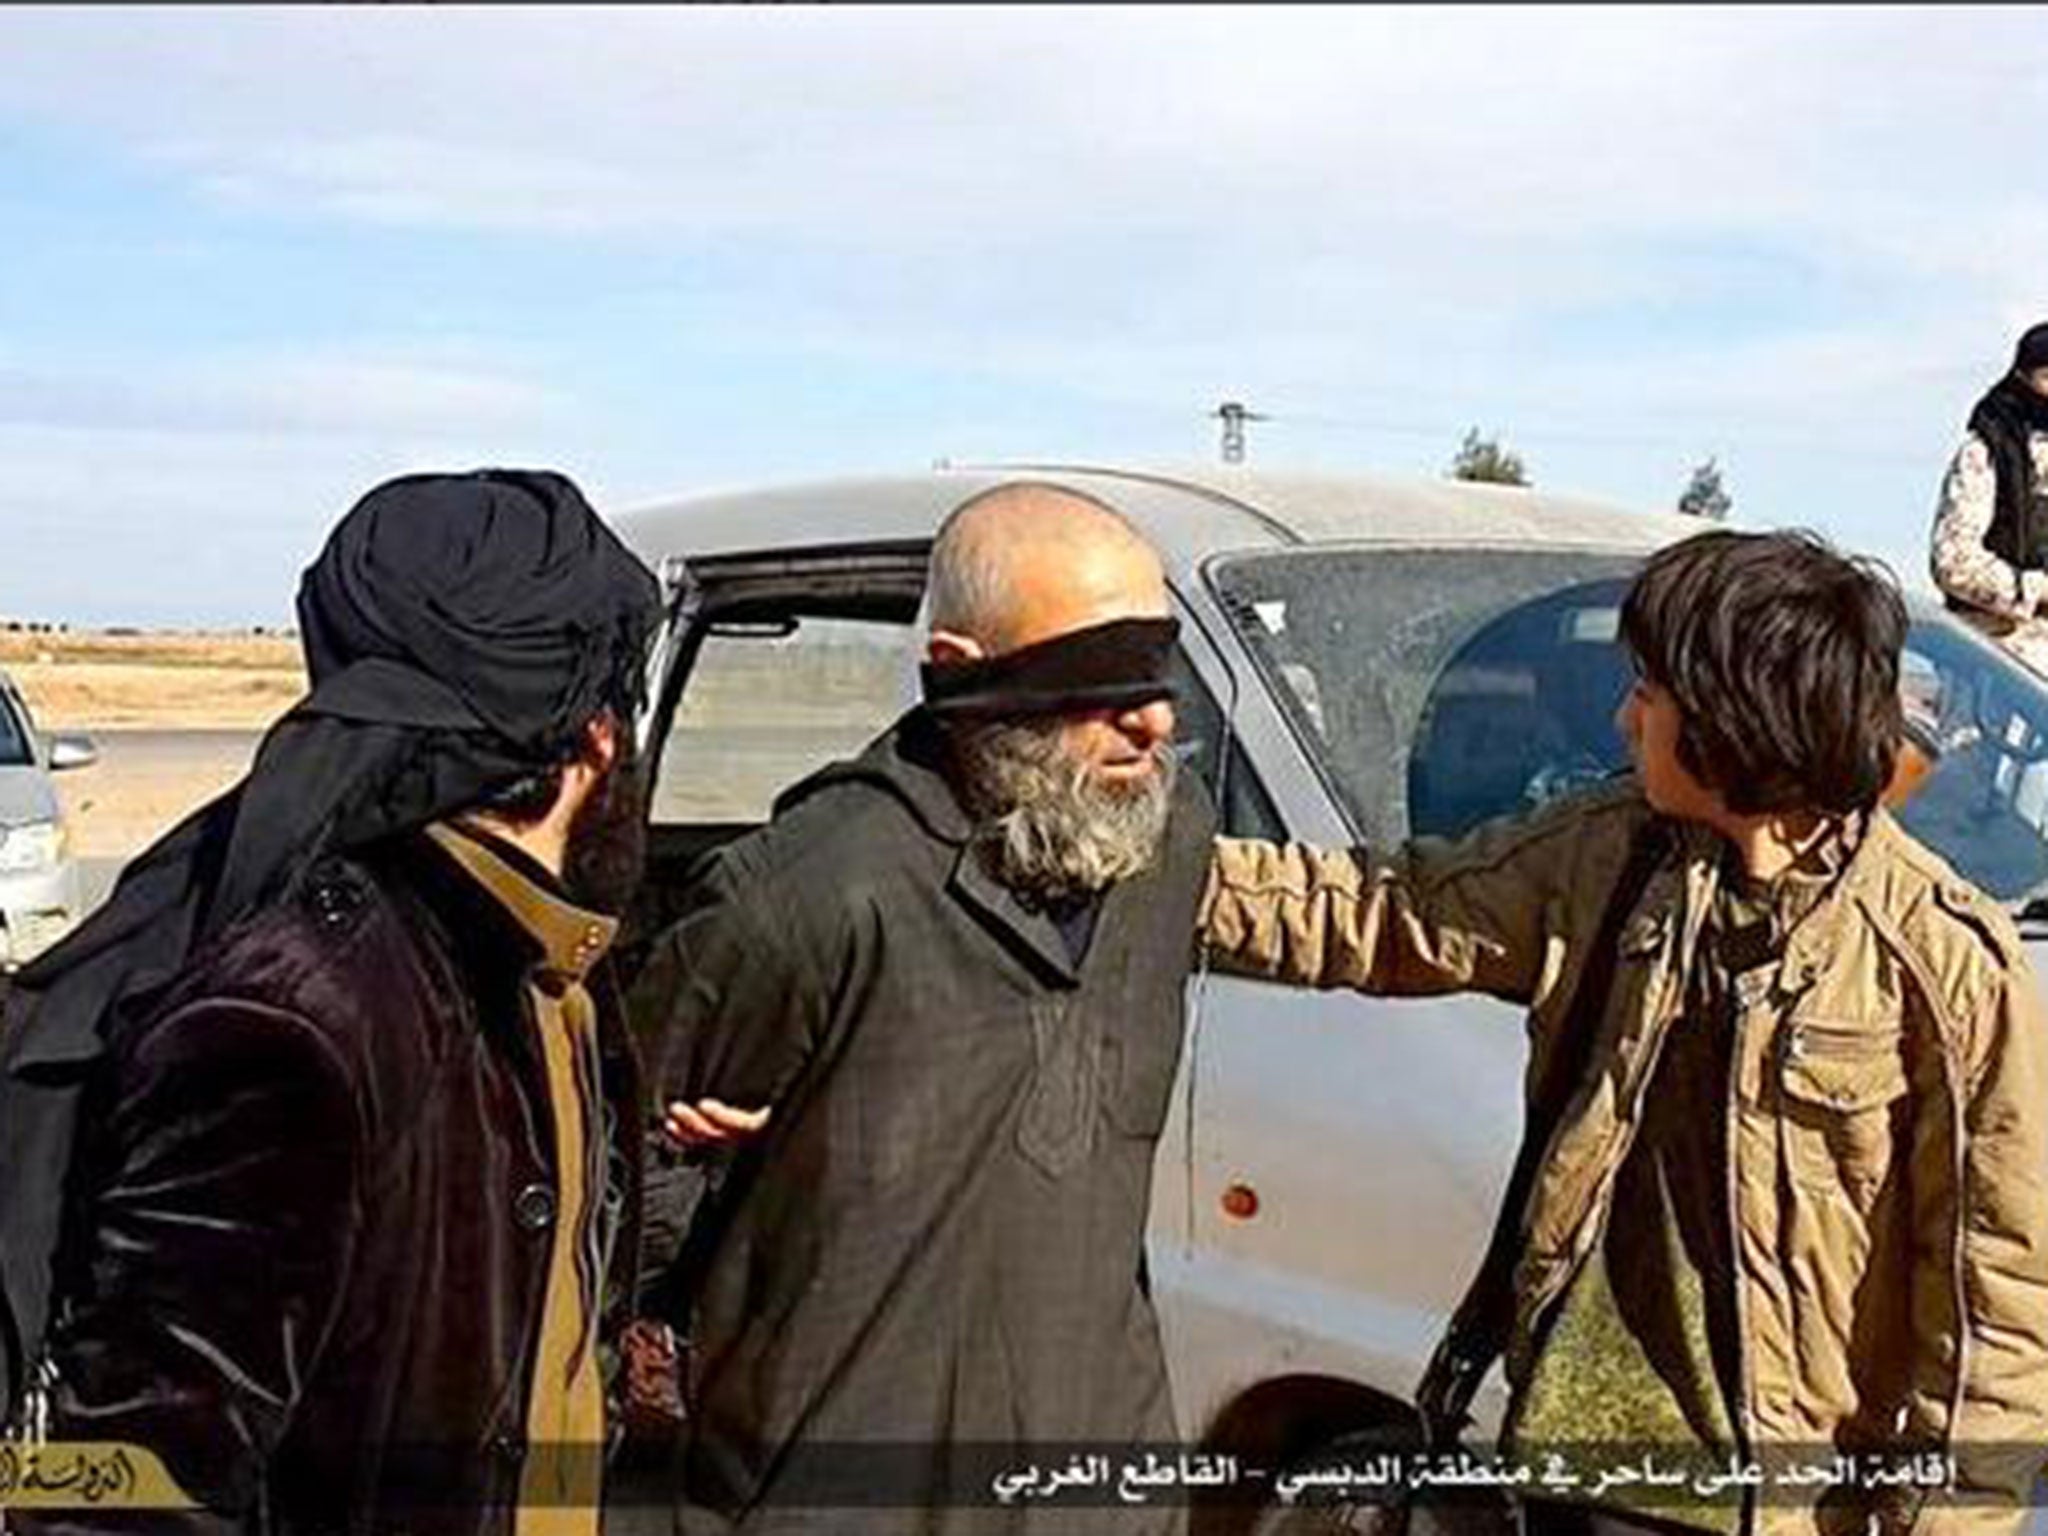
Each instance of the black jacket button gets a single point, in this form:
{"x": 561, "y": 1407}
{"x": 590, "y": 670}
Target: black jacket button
{"x": 534, "y": 1206}
{"x": 335, "y": 904}
{"x": 507, "y": 1447}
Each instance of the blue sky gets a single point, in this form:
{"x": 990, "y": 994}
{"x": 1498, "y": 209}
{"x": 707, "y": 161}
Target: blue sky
{"x": 256, "y": 260}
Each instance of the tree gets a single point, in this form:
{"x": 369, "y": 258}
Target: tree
{"x": 1483, "y": 458}
{"x": 1705, "y": 496}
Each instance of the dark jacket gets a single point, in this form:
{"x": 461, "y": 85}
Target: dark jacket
{"x": 311, "y": 1230}
{"x": 937, "y": 1247}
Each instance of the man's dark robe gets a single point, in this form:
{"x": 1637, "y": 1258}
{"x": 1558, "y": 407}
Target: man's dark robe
{"x": 315, "y": 1211}
{"x": 939, "y": 1240}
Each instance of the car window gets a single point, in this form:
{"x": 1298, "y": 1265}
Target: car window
{"x": 1523, "y": 711}
{"x": 1244, "y": 808}
{"x": 1440, "y": 688}
{"x": 1435, "y": 687}
{"x": 766, "y": 705}
{"x": 1983, "y": 721}
{"x": 17, "y": 744}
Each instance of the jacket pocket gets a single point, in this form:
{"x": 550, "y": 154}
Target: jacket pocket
{"x": 1842, "y": 1098}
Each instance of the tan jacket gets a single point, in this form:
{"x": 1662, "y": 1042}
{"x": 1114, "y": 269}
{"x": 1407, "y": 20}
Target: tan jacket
{"x": 1888, "y": 1119}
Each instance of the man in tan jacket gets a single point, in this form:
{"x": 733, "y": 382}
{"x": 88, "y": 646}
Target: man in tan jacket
{"x": 1795, "y": 1205}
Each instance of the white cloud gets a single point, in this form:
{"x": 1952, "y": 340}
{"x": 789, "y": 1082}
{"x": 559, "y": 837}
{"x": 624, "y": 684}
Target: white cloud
{"x": 172, "y": 495}
{"x": 1518, "y": 153}
{"x": 395, "y": 179}
{"x": 262, "y": 395}
{"x": 1802, "y": 237}
{"x": 886, "y": 122}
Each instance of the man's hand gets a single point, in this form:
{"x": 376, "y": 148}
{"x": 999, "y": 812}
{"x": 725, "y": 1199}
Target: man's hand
{"x": 709, "y": 1123}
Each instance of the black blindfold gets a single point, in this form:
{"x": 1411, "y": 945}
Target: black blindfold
{"x": 1123, "y": 664}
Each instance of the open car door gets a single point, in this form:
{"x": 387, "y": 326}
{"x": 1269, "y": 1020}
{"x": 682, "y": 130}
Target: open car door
{"x": 772, "y": 665}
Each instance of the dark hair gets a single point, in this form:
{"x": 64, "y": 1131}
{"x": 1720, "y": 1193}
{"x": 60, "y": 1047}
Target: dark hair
{"x": 1782, "y": 655}
{"x": 2031, "y": 351}
{"x": 525, "y": 799}
{"x": 533, "y": 794}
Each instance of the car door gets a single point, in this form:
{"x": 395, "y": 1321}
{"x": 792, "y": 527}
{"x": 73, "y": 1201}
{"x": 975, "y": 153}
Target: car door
{"x": 1347, "y": 1153}
{"x": 772, "y": 664}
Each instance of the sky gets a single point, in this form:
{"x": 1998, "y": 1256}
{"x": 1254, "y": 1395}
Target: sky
{"x": 255, "y": 260}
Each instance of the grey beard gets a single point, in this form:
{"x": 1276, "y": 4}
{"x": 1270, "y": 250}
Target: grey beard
{"x": 1044, "y": 825}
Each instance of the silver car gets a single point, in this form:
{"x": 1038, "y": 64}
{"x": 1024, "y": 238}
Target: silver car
{"x": 1364, "y": 659}
{"x": 40, "y": 895}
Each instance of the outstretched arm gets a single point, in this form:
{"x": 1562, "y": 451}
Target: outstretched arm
{"x": 1479, "y": 913}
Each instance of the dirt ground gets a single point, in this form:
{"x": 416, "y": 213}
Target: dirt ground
{"x": 175, "y": 717}
{"x": 144, "y": 783}
{"x": 154, "y": 682}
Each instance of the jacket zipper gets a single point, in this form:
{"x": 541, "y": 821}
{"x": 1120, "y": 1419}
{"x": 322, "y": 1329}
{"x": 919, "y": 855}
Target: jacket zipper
{"x": 1744, "y": 1412}
{"x": 1957, "y": 1278}
{"x": 1661, "y": 1016}
{"x": 1952, "y": 1073}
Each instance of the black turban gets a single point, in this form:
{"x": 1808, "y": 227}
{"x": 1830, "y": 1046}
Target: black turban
{"x": 460, "y": 631}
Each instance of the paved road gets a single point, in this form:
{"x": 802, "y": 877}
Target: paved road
{"x": 97, "y": 877}
{"x": 132, "y": 752}
{"x": 144, "y": 782}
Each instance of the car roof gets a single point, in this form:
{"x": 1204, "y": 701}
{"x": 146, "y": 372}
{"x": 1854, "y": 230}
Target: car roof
{"x": 1189, "y": 513}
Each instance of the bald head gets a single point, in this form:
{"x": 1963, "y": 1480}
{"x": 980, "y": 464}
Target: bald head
{"x": 1025, "y": 562}
{"x": 1067, "y": 798}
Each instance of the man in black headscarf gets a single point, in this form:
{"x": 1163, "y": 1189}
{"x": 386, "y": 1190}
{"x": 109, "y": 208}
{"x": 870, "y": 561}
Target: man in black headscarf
{"x": 1990, "y": 545}
{"x": 337, "y": 1074}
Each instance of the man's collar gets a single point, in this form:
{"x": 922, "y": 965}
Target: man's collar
{"x": 1860, "y": 858}
{"x": 910, "y": 761}
{"x": 571, "y": 939}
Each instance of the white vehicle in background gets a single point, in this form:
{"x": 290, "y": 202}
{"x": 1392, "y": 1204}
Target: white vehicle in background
{"x": 1362, "y": 660}
{"x": 41, "y": 897}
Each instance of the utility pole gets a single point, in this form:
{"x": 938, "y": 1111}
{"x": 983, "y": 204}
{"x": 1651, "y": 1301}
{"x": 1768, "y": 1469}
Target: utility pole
{"x": 1234, "y": 416}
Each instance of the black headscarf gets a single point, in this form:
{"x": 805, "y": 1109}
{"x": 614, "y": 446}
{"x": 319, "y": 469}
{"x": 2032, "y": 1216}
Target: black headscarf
{"x": 1121, "y": 664}
{"x": 2009, "y": 411}
{"x": 460, "y": 631}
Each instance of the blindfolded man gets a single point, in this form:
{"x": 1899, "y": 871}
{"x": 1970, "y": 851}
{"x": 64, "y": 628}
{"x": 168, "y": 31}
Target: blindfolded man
{"x": 953, "y": 969}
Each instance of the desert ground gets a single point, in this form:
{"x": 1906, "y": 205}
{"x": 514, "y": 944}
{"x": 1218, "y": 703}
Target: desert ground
{"x": 154, "y": 682}
{"x": 176, "y": 718}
